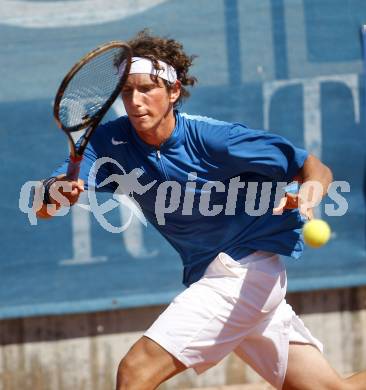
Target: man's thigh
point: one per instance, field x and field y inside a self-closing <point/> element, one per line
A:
<point x="150" y="362"/>
<point x="211" y="318"/>
<point x="307" y="369"/>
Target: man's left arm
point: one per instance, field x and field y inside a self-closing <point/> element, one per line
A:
<point x="314" y="170"/>
<point x="318" y="176"/>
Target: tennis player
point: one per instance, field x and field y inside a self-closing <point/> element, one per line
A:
<point x="236" y="281"/>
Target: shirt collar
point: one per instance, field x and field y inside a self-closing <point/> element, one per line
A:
<point x="174" y="139"/>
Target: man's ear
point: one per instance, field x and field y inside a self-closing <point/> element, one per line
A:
<point x="174" y="92"/>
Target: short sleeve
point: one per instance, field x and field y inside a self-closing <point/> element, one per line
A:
<point x="263" y="153"/>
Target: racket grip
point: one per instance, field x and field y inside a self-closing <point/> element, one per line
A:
<point x="73" y="168"/>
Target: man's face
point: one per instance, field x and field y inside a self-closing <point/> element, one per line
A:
<point x="147" y="102"/>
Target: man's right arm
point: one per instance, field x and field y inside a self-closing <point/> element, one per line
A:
<point x="61" y="192"/>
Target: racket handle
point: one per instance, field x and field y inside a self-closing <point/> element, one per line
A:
<point x="73" y="168"/>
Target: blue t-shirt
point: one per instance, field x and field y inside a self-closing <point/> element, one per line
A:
<point x="196" y="174"/>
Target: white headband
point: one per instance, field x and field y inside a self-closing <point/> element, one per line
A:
<point x="144" y="65"/>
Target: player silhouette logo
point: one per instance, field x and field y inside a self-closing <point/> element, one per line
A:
<point x="127" y="184"/>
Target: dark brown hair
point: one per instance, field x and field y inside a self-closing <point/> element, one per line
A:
<point x="168" y="50"/>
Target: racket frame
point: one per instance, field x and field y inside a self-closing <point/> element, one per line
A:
<point x="76" y="154"/>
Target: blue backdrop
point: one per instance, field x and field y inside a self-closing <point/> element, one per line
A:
<point x="294" y="67"/>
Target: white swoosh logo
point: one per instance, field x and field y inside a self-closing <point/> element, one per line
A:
<point x="44" y="14"/>
<point x="115" y="142"/>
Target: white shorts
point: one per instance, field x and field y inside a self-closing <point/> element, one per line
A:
<point x="236" y="306"/>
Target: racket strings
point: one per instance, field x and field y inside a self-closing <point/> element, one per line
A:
<point x="90" y="88"/>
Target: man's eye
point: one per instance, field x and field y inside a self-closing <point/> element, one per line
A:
<point x="126" y="91"/>
<point x="145" y="89"/>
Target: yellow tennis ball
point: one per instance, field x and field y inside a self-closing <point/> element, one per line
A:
<point x="316" y="233"/>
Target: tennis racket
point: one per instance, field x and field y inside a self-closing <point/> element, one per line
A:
<point x="87" y="92"/>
